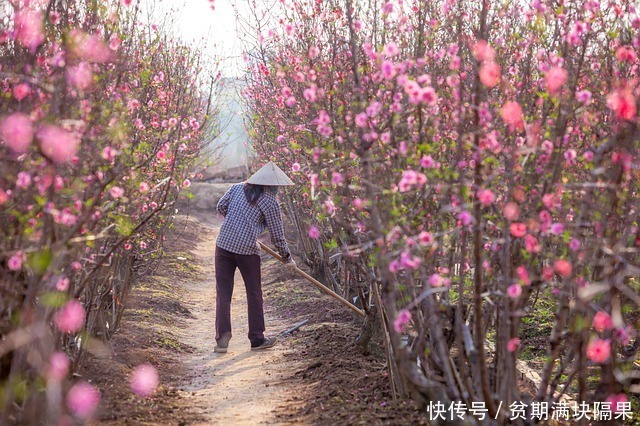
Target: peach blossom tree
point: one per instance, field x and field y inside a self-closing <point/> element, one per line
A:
<point x="468" y="171"/>
<point x="101" y="118"/>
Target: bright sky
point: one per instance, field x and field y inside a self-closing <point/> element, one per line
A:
<point x="196" y="21"/>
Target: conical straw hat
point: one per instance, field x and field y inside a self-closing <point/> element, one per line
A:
<point x="270" y="175"/>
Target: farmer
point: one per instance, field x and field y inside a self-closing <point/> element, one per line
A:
<point x="248" y="208"/>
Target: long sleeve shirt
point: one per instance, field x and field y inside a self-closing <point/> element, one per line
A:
<point x="243" y="222"/>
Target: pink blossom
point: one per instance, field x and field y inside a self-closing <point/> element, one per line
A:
<point x="410" y="262"/>
<point x="82" y="400"/>
<point x="428" y="162"/>
<point x="490" y="74"/>
<point x="512" y="115"/>
<point x="425" y="238"/>
<point x="394" y="266"/>
<point x="70" y="318"/>
<point x="518" y="229"/>
<point x="550" y="201"/>
<point x="575" y="35"/>
<point x="62" y="284"/>
<point x="555" y="79"/>
<point x="314" y="232"/>
<point x="144" y="380"/>
<point x="90" y="47"/>
<point x="599" y="350"/>
<point x="385" y="137"/>
<point x="409" y="179"/>
<point x="602" y="321"/>
<point x="54" y="17"/>
<point x="80" y="76"/>
<point x="116" y="192"/>
<point x="486" y="197"/>
<point x="337" y="178"/>
<point x="359" y="204"/>
<point x="436" y="280"/>
<point x="20" y="91"/>
<point x="29" y="27"/>
<point x="547" y="147"/>
<point x="513" y="344"/>
<point x="295" y="167"/>
<point x="619" y="402"/>
<point x="570" y="155"/>
<point x="57" y="60"/>
<point x="57" y="144"/>
<point x="114" y="42"/>
<point x="58" y="366"/>
<point x="109" y="153"/>
<point x="361" y="119"/>
<point x="623" y="103"/>
<point x="23" y="180"/>
<point x="483" y="52"/>
<point x="15" y="261"/>
<point x="64" y="217"/>
<point x="465" y="217"/>
<point x="574" y="244"/>
<point x="16" y="130"/>
<point x="511" y="211"/>
<point x="547" y="273"/>
<point x="390" y="49"/>
<point x="314" y="51"/>
<point x="290" y="102"/>
<point x="583" y="96"/>
<point x="626" y="54"/>
<point x="562" y="267"/>
<point x="310" y="94"/>
<point x="557" y="228"/>
<point x="523" y="275"/>
<point x="186" y="183"/>
<point x="3" y="196"/>
<point x="144" y="187"/>
<point x="623" y="334"/>
<point x="514" y="291"/>
<point x="388" y="69"/>
<point x="328" y="204"/>
<point x="428" y="96"/>
<point x="402" y="320"/>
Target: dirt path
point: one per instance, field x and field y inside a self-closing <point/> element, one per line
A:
<point x="240" y="387"/>
<point x="316" y="375"/>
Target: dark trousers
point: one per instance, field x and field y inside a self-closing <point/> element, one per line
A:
<point x="249" y="265"/>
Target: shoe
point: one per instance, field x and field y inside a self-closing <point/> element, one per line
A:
<point x="221" y="347"/>
<point x="266" y="344"/>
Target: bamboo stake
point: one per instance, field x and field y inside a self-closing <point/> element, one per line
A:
<point x="315" y="282"/>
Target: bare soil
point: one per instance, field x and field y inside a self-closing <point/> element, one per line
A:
<point x="312" y="376"/>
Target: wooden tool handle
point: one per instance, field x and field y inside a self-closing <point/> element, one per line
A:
<point x="315" y="282"/>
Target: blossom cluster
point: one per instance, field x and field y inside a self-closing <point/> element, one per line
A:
<point x="466" y="161"/>
<point x="101" y="119"/>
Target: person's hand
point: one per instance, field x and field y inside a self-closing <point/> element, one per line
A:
<point x="290" y="264"/>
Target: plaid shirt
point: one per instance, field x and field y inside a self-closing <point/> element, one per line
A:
<point x="243" y="222"/>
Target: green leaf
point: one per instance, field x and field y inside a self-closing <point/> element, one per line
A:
<point x="39" y="261"/>
<point x="124" y="225"/>
<point x="53" y="299"/>
<point x="330" y="245"/>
